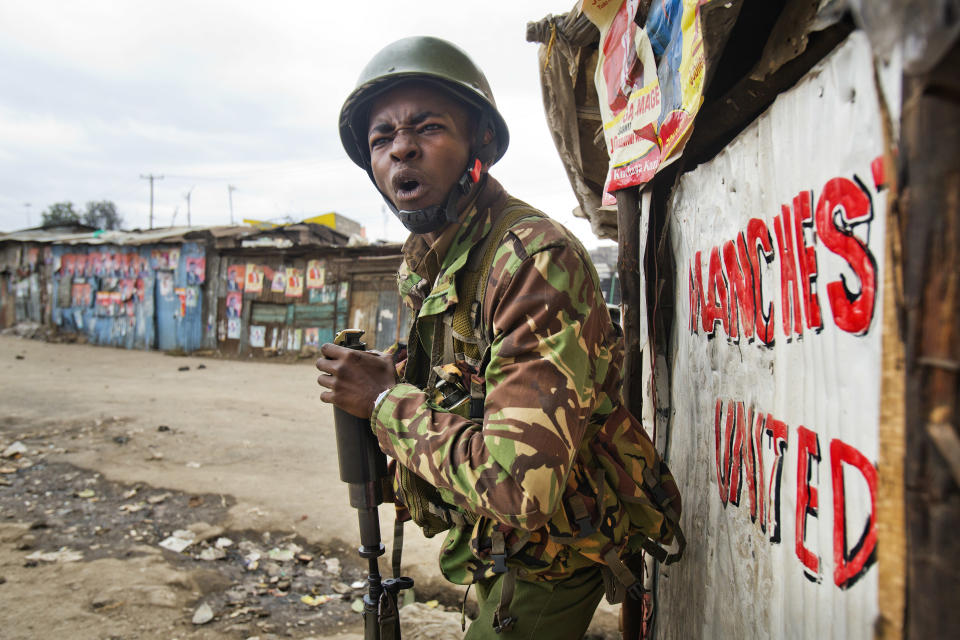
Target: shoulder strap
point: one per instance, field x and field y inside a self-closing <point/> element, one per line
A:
<point x="465" y="333"/>
<point x="466" y="318"/>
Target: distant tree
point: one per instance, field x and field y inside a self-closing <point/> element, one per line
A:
<point x="60" y="213"/>
<point x="102" y="215"/>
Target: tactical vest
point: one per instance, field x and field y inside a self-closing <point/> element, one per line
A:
<point x="646" y="494"/>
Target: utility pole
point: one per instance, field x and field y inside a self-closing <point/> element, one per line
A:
<point x="151" y="178"/>
<point x="230" y="190"/>
<point x="187" y="196"/>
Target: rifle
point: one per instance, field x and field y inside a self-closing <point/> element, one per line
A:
<point x="363" y="466"/>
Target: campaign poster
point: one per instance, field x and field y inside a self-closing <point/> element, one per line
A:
<point x="128" y="267"/>
<point x="165" y="283"/>
<point x="258" y="335"/>
<point x="234" y="304"/>
<point x="116" y="303"/>
<point x="294" y="339"/>
<point x="233" y="328"/>
<point x="103" y="303"/>
<point x="196" y="270"/>
<point x="294" y="278"/>
<point x="127" y="288"/>
<point x="235" y="277"/>
<point x="94" y="264"/>
<point x="650" y="83"/>
<point x="316" y="274"/>
<point x="181" y="294"/>
<point x="81" y="295"/>
<point x="254" y="279"/>
<point x="68" y="264"/>
<point x="311" y="337"/>
<point x="279" y="283"/>
<point x="160" y="259"/>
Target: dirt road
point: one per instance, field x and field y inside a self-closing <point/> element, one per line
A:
<point x="120" y="449"/>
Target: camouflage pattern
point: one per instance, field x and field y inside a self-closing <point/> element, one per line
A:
<point x="541" y="469"/>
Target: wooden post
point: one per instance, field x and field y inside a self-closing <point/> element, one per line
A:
<point x="930" y="174"/>
<point x="632" y="292"/>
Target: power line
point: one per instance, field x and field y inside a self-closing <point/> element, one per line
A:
<point x="288" y="168"/>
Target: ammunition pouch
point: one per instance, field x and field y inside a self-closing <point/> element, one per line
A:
<point x="425" y="505"/>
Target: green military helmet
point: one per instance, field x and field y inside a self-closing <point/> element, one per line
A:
<point x="421" y="58"/>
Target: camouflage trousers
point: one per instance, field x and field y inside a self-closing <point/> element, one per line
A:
<point x="559" y="610"/>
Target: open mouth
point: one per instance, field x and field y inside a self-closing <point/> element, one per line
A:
<point x="407" y="187"/>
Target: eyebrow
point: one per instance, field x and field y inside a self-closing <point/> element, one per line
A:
<point x="385" y="128"/>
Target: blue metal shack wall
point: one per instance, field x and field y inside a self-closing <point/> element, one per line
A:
<point x="133" y="297"/>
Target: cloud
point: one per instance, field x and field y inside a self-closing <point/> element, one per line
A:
<point x="210" y="94"/>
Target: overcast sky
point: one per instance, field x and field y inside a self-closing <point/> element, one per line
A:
<point x="210" y="94"/>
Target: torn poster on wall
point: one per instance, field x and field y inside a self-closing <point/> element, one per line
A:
<point x="650" y="83"/>
<point x="776" y="380"/>
<point x="294" y="339"/>
<point x="181" y="294"/>
<point x="165" y="283"/>
<point x="81" y="295"/>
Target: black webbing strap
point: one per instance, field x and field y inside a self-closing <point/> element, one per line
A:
<point x="388" y="615"/>
<point x="397" y="546"/>
<point x="463" y="608"/>
<point x="502" y="620"/>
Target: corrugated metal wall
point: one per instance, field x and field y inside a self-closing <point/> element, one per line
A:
<point x="135" y="297"/>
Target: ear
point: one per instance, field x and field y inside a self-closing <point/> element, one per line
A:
<point x="488" y="136"/>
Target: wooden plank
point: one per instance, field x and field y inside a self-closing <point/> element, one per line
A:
<point x="891" y="529"/>
<point x="930" y="167"/>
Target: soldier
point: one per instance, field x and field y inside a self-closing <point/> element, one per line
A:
<point x="503" y="416"/>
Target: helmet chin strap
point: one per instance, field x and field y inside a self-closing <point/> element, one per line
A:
<point x="435" y="217"/>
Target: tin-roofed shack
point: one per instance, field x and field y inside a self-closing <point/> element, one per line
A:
<point x="782" y="178"/>
<point x="238" y="289"/>
<point x="288" y="289"/>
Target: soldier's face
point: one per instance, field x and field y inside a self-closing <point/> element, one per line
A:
<point x="419" y="140"/>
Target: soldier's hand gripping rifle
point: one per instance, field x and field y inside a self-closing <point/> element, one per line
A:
<point x="363" y="466"/>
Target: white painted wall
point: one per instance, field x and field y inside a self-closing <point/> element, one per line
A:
<point x="820" y="138"/>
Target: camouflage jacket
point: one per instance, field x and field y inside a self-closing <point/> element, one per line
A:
<point x="552" y="379"/>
